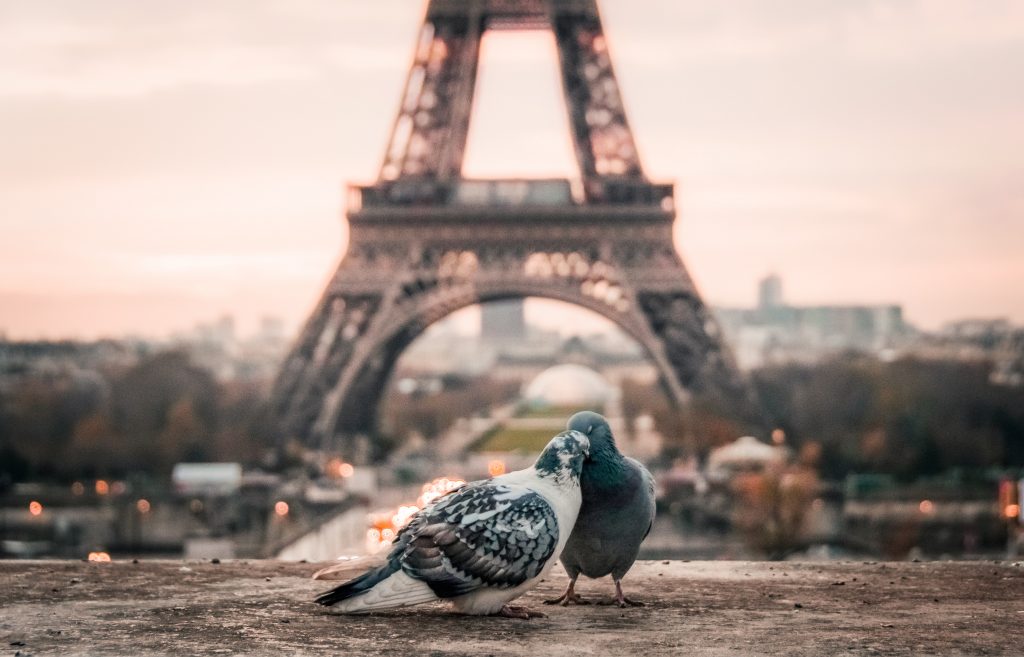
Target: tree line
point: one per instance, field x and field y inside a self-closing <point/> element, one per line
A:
<point x="908" y="418"/>
<point x="72" y="423"/>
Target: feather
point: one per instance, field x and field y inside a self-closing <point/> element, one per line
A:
<point x="618" y="506"/>
<point x="480" y="546"/>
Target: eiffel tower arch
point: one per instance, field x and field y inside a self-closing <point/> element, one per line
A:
<point x="425" y="241"/>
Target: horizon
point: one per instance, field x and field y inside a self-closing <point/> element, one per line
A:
<point x="167" y="165"/>
<point x="539" y="313"/>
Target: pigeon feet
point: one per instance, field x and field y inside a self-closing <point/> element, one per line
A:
<point x="621" y="600"/>
<point x="525" y="613"/>
<point x="568" y="598"/>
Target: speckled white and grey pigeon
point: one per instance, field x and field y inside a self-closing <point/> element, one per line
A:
<point x="616" y="515"/>
<point x="482" y="545"/>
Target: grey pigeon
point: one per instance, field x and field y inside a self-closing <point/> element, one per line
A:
<point x="616" y="515"/>
<point x="480" y="546"/>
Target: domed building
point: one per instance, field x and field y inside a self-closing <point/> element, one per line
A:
<point x="744" y="454"/>
<point x="568" y="385"/>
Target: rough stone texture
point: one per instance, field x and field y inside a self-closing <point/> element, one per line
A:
<point x="698" y="608"/>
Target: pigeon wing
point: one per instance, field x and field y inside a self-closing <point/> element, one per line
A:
<point x="647" y="491"/>
<point x="484" y="535"/>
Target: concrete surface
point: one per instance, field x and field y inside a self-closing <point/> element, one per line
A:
<point x="698" y="608"/>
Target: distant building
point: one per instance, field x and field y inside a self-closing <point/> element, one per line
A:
<point x="217" y="347"/>
<point x="983" y="331"/>
<point x="498" y="352"/>
<point x="775" y="331"/>
<point x="272" y="330"/>
<point x="213" y="346"/>
<point x="80" y="360"/>
<point x="616" y="361"/>
<point x="503" y="321"/>
<point x="206" y="478"/>
<point x="993" y="340"/>
<point x="569" y="385"/>
<point x="769" y="292"/>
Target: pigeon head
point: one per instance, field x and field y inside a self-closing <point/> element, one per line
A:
<point x="563" y="457"/>
<point x="594" y="427"/>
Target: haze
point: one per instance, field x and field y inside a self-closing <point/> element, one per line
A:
<point x="166" y="163"/>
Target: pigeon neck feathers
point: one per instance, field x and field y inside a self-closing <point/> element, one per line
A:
<point x="562" y="459"/>
<point x="606" y="466"/>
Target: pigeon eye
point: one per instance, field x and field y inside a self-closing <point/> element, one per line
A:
<point x="590" y="428"/>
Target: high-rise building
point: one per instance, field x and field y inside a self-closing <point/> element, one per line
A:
<point x="769" y="292"/>
<point x="503" y="321"/>
<point x="775" y="331"/>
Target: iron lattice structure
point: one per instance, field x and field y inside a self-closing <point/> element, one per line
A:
<point x="425" y="242"/>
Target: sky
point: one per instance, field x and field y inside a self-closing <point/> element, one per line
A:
<point x="165" y="163"/>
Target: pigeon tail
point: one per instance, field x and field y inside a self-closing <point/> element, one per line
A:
<point x="358" y="585"/>
<point x="384" y="588"/>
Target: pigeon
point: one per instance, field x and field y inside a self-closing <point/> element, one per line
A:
<point x="480" y="546"/>
<point x="616" y="515"/>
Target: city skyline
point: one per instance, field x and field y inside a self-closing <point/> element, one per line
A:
<point x="164" y="165"/>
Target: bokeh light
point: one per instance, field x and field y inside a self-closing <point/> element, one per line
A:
<point x="384" y="526"/>
<point x="437" y="488"/>
<point x="333" y="468"/>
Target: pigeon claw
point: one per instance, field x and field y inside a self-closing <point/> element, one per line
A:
<point x="570" y="597"/>
<point x="622" y="603"/>
<point x="567" y="599"/>
<point x="620" y="600"/>
<point x="513" y="611"/>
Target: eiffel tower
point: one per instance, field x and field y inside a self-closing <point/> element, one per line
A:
<point x="425" y="241"/>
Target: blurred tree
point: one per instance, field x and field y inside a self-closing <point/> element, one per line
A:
<point x="907" y="418"/>
<point x="772" y="505"/>
<point x="144" y="418"/>
<point x="165" y="408"/>
<point x="41" y="413"/>
<point x="184" y="437"/>
<point x="245" y="429"/>
<point x="94" y="450"/>
<point x="693" y="430"/>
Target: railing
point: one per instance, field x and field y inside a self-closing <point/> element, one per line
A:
<point x="427" y="192"/>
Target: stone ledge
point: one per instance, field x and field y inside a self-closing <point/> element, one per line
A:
<point x="700" y="608"/>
